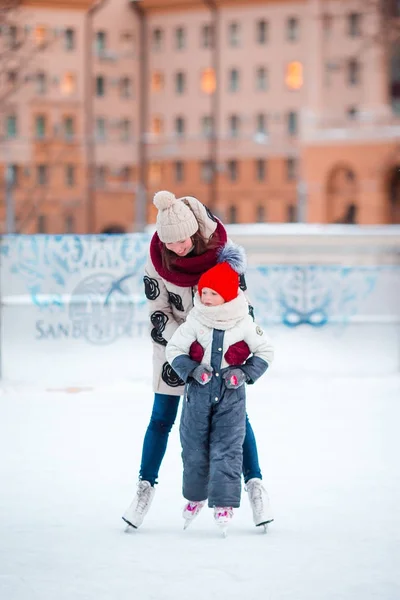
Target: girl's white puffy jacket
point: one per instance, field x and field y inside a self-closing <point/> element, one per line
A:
<point x="232" y="318"/>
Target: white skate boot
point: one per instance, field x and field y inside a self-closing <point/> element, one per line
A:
<point x="190" y="512"/>
<point x="259" y="503"/>
<point x="223" y="516"/>
<point x="141" y="503"/>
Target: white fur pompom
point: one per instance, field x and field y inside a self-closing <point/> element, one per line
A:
<point x="235" y="256"/>
<point x="163" y="200"/>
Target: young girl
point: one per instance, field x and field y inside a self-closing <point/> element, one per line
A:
<point x="213" y="422"/>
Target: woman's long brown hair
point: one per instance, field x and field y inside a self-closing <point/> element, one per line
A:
<point x="200" y="246"/>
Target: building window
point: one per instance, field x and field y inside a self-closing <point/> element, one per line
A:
<point x="155" y="172"/>
<point x="157" y="81"/>
<point x="42" y="224"/>
<point x="69" y="39"/>
<point x="69" y="224"/>
<point x="157" y="126"/>
<point x="261" y="79"/>
<point x="101" y="41"/>
<point x="206" y="171"/>
<point x="208" y="82"/>
<point x="40" y="35"/>
<point x="261" y="169"/>
<point x="291" y="168"/>
<point x="232" y="215"/>
<point x="41" y="83"/>
<point x="70" y="175"/>
<point x="101" y="175"/>
<point x="327" y="25"/>
<point x="180" y="82"/>
<point x="12" y="37"/>
<point x="100" y="86"/>
<point x="42" y="174"/>
<point x="180" y="127"/>
<point x="292" y="123"/>
<point x="234" y="126"/>
<point x="354" y="24"/>
<point x="101" y="129"/>
<point x="69" y="127"/>
<point x="68" y="84"/>
<point x="262" y="32"/>
<point x="12" y="175"/>
<point x="233" y="84"/>
<point x="180" y="38"/>
<point x="291" y="213"/>
<point x="234" y="34"/>
<point x="261" y="124"/>
<point x="40" y="127"/>
<point x="352" y="113"/>
<point x="207" y="36"/>
<point x="11" y="126"/>
<point x="294" y="75"/>
<point x="12" y="77"/>
<point x="292" y="29"/>
<point x="353" y="72"/>
<point x="260" y="214"/>
<point x="232" y="170"/>
<point x="207" y="126"/>
<point x="157" y="39"/>
<point x="179" y="168"/>
<point x="126" y="132"/>
<point x="125" y="87"/>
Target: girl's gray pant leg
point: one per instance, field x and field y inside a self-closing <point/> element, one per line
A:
<point x="194" y="434"/>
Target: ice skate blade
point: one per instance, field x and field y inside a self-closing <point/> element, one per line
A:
<point x="186" y="525"/>
<point x="129" y="527"/>
<point x="224" y="530"/>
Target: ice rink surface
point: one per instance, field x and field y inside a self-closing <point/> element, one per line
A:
<point x="329" y="448"/>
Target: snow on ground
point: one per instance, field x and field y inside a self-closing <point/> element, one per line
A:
<point x="329" y="449"/>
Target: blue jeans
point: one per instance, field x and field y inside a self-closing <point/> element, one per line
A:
<point x="155" y="441"/>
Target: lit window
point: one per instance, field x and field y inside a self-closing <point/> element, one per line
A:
<point x="100" y="128"/>
<point x="125" y="87"/>
<point x="207" y="36"/>
<point x="292" y="29"/>
<point x="179" y="168"/>
<point x="70" y="176"/>
<point x="208" y="81"/>
<point x="294" y="75"/>
<point x="41" y="174"/>
<point x="69" y="39"/>
<point x="40" y="126"/>
<point x="234" y="34"/>
<point x="233" y="80"/>
<point x="260" y="169"/>
<point x="157" y="81"/>
<point x="41" y="83"/>
<point x="292" y="123"/>
<point x="262" y="32"/>
<point x="207" y="125"/>
<point x="261" y="79"/>
<point x="125" y="130"/>
<point x="180" y="82"/>
<point x="157" y="39"/>
<point x="180" y="38"/>
<point x="157" y="126"/>
<point x="155" y="173"/>
<point x="354" y="24"/>
<point x="100" y="86"/>
<point x="69" y="127"/>
<point x="68" y="84"/>
<point x="11" y="126"/>
<point x="234" y="126"/>
<point x="291" y="169"/>
<point x="180" y="126"/>
<point x="40" y="35"/>
<point x="232" y="168"/>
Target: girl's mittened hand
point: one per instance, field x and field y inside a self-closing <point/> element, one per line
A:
<point x="234" y="378"/>
<point x="202" y="374"/>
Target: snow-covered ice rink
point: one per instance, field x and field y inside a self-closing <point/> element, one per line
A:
<point x="329" y="448"/>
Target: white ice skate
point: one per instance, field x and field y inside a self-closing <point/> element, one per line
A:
<point x="223" y="516"/>
<point x="259" y="503"/>
<point x="141" y="503"/>
<point x="190" y="512"/>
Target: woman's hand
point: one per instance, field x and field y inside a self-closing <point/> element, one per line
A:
<point x="234" y="378"/>
<point x="202" y="374"/>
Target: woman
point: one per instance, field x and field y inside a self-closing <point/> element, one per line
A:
<point x="185" y="246"/>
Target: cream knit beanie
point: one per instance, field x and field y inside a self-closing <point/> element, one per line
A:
<point x="175" y="221"/>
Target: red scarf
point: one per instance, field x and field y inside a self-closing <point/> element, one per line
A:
<point x="186" y="271"/>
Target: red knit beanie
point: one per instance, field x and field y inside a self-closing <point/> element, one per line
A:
<point x="222" y="279"/>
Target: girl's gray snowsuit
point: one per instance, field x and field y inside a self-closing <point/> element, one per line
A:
<point x="213" y="417"/>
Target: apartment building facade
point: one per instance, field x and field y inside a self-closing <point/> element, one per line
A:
<point x="268" y="111"/>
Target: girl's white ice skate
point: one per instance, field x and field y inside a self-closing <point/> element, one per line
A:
<point x="190" y="512"/>
<point x="223" y="516"/>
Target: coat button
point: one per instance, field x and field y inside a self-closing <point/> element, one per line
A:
<point x="216" y="399"/>
<point x="216" y="374"/>
<point x="219" y="349"/>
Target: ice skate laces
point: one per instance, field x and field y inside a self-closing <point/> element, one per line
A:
<point x="144" y="493"/>
<point x="256" y="496"/>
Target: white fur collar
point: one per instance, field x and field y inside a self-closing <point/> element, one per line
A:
<point x="222" y="317"/>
